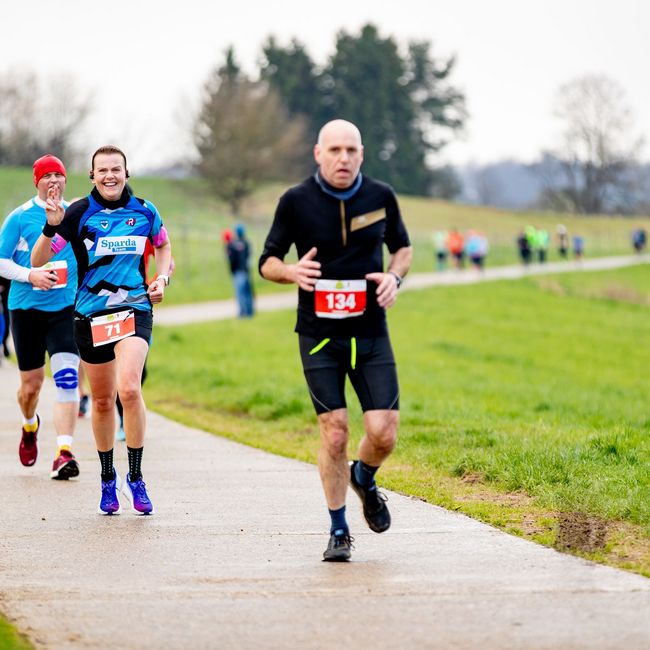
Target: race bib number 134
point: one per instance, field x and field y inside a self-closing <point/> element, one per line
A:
<point x="340" y="298"/>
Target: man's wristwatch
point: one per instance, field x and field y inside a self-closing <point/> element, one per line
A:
<point x="164" y="278"/>
<point x="398" y="279"/>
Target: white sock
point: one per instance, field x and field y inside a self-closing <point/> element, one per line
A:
<point x="64" y="441"/>
<point x="32" y="420"/>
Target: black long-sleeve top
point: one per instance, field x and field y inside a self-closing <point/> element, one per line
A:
<point x="349" y="235"/>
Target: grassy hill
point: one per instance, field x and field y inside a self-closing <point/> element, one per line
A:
<point x="196" y="220"/>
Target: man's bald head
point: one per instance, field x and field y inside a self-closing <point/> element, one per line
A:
<point x="336" y="128"/>
<point x="339" y="153"/>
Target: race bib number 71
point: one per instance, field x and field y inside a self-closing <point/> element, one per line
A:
<point x="340" y="298"/>
<point x="112" y="327"/>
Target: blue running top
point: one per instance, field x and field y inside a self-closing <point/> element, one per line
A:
<point x="108" y="239"/>
<point x="19" y="233"/>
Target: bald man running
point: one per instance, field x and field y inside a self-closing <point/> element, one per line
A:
<point x="339" y="221"/>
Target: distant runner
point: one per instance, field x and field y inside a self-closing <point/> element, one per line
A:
<point x="108" y="230"/>
<point x="41" y="306"/>
<point x="339" y="221"/>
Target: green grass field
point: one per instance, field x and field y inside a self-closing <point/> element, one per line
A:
<point x="520" y="400"/>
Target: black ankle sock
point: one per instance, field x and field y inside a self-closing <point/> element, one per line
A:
<point x="106" y="460"/>
<point x="365" y="474"/>
<point x="339" y="523"/>
<point x="135" y="463"/>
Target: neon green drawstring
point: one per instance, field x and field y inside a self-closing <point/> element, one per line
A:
<point x="353" y="350"/>
<point x="319" y="346"/>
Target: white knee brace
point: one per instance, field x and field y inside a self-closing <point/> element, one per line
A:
<point x="65" y="370"/>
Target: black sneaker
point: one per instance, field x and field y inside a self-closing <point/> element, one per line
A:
<point x="375" y="509"/>
<point x="338" y="548"/>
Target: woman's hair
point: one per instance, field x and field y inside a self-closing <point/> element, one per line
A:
<point x="107" y="148"/>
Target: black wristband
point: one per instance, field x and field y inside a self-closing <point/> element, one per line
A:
<point x="49" y="230"/>
<point x="398" y="279"/>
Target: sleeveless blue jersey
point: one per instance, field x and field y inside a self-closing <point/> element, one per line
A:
<point x="19" y="233"/>
<point x="109" y="247"/>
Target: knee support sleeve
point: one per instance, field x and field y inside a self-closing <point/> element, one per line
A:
<point x="65" y="370"/>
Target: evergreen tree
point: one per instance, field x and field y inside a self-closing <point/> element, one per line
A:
<point x="292" y="73"/>
<point x="404" y="106"/>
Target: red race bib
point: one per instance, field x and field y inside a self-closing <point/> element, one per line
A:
<point x="112" y="327"/>
<point x="340" y="298"/>
<point x="60" y="267"/>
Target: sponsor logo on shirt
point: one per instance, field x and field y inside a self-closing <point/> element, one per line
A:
<point x="130" y="222"/>
<point x="120" y="245"/>
<point x="104" y="223"/>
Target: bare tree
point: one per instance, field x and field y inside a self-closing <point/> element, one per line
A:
<point x="244" y="135"/>
<point x="597" y="149"/>
<point x="38" y="116"/>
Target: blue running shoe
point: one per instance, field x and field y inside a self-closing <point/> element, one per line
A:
<point x="136" y="493"/>
<point x="121" y="436"/>
<point x="109" y="504"/>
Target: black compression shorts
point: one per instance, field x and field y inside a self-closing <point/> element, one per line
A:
<point x="35" y="331"/>
<point x="105" y="353"/>
<point x="374" y="377"/>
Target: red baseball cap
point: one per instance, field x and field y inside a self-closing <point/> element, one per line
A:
<point x="45" y="165"/>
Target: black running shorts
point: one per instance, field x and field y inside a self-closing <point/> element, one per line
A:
<point x="374" y="376"/>
<point x="34" y="331"/>
<point x="104" y="353"/>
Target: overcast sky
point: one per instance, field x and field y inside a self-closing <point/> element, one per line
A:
<point x="145" y="60"/>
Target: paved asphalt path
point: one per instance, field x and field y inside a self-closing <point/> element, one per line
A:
<point x="222" y="309"/>
<point x="232" y="560"/>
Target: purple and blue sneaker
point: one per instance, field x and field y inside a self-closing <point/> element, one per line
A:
<point x="109" y="504"/>
<point x="136" y="493"/>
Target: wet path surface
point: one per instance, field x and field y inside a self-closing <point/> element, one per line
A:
<point x="232" y="560"/>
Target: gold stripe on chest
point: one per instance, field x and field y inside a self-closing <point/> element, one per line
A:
<point x="363" y="220"/>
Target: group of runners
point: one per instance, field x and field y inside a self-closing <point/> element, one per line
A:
<point x="79" y="290"/>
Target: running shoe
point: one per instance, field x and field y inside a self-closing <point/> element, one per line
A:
<point x="136" y="493"/>
<point x="339" y="547"/>
<point x="375" y="509"/>
<point x="120" y="435"/>
<point x="109" y="504"/>
<point x="83" y="406"/>
<point x="28" y="448"/>
<point x="64" y="466"/>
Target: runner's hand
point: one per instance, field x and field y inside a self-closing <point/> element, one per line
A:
<point x="54" y="209"/>
<point x="306" y="272"/>
<point x="386" y="288"/>
<point x="156" y="291"/>
<point x="40" y="279"/>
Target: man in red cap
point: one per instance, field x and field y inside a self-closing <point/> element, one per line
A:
<point x="41" y="312"/>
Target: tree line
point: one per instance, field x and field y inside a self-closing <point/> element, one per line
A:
<point x="252" y="129"/>
<point x="404" y="104"/>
